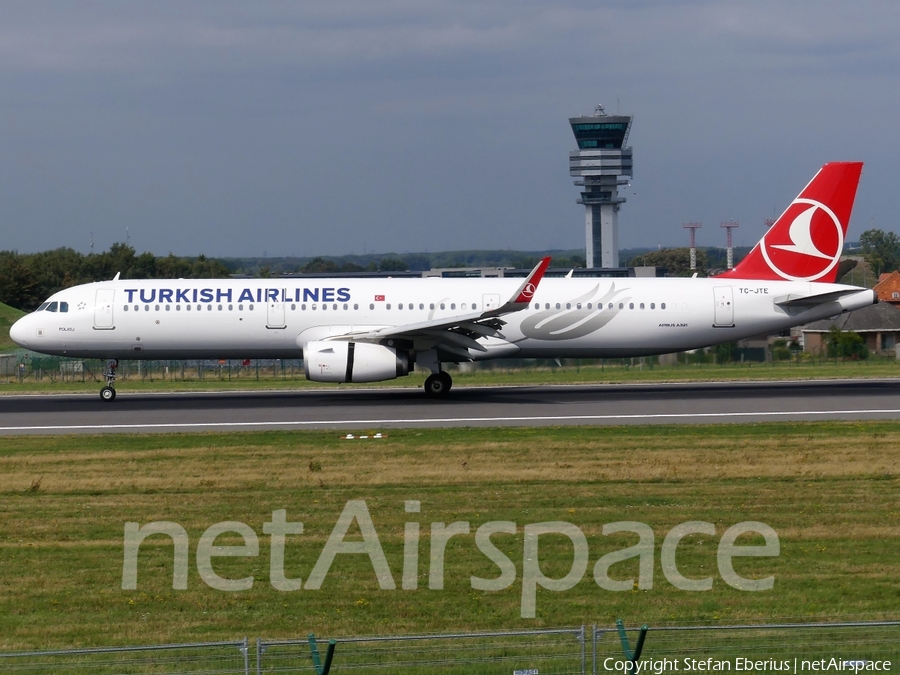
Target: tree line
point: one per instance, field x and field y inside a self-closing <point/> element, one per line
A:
<point x="27" y="279"/>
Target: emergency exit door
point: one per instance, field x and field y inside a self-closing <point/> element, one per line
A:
<point x="275" y="315"/>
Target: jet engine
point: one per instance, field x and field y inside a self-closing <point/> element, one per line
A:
<point x="339" y="361"/>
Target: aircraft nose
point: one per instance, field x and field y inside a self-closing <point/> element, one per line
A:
<point x="18" y="332"/>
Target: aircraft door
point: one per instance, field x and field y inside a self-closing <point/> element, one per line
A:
<point x="103" y="309"/>
<point x="275" y="315"/>
<point x="490" y="301"/>
<point x="724" y="296"/>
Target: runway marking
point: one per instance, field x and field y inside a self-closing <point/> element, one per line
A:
<point x="432" y="420"/>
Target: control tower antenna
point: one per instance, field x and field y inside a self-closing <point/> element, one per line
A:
<point x="602" y="163"/>
<point x="693" y="227"/>
<point x="729" y="225"/>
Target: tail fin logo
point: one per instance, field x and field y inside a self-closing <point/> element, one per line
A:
<point x="808" y="249"/>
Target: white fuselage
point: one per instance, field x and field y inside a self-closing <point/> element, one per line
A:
<point x="275" y="318"/>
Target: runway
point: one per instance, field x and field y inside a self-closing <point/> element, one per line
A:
<point x="351" y="410"/>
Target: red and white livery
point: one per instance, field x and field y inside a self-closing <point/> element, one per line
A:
<point x="343" y="335"/>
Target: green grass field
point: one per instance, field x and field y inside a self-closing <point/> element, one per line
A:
<point x="829" y="490"/>
<point x="8" y="316"/>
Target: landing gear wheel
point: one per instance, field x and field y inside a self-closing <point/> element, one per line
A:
<point x="108" y="393"/>
<point x="438" y="385"/>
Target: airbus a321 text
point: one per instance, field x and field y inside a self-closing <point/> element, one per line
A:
<point x="369" y="330"/>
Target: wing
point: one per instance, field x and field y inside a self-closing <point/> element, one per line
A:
<point x="456" y="335"/>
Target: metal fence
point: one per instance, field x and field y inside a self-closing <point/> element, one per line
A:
<point x="552" y="652"/>
<point x="27" y="368"/>
<point x="788" y="648"/>
<point x="181" y="659"/>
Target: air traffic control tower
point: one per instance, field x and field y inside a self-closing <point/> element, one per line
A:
<point x="602" y="163"/>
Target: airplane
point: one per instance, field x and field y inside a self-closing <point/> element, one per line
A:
<point x="371" y="330"/>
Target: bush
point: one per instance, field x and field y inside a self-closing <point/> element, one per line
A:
<point x="845" y="344"/>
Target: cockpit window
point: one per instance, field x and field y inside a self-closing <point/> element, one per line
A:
<point x="64" y="307"/>
<point x="53" y="307"/>
<point x="42" y="307"/>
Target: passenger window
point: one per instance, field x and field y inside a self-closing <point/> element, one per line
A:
<point x="146" y="308"/>
<point x="621" y="305"/>
<point x="345" y="306"/>
<point x="589" y="306"/>
<point x="463" y="306"/>
<point x="250" y="307"/>
<point x="652" y="305"/>
<point x="355" y="305"/>
<point x="442" y="305"/>
<point x="568" y="305"/>
<point x="220" y="308"/>
<point x="474" y="306"/>
<point x="611" y="306"/>
<point x="452" y="305"/>
<point x="642" y="305"/>
<point x="558" y="306"/>
<point x="388" y="306"/>
<point x="431" y="306"/>
<point x="178" y="308"/>
<point x="53" y="306"/>
<point x="293" y="307"/>
<point x="240" y="308"/>
<point x="230" y="308"/>
<point x="136" y="308"/>
<point x="157" y="308"/>
<point x="334" y="307"/>
<point x="303" y="307"/>
<point x="169" y="308"/>
<point x="546" y="305"/>
<point x="662" y="305"/>
<point x="126" y="308"/>
<point x="209" y="307"/>
<point x="421" y="306"/>
<point x="324" y="306"/>
<point x="578" y="306"/>
<point x="630" y="305"/>
<point x="371" y="305"/>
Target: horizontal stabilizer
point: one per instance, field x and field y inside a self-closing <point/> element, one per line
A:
<point x="794" y="300"/>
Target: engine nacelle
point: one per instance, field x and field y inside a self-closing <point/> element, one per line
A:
<point x="339" y="361"/>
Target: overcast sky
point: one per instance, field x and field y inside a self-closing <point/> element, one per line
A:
<point x="344" y="126"/>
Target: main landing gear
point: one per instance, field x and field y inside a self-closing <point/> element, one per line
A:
<point x="438" y="384"/>
<point x="108" y="393"/>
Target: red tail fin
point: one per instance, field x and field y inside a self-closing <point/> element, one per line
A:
<point x="806" y="242"/>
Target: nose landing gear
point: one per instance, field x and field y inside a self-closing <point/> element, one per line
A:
<point x="108" y="393"/>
